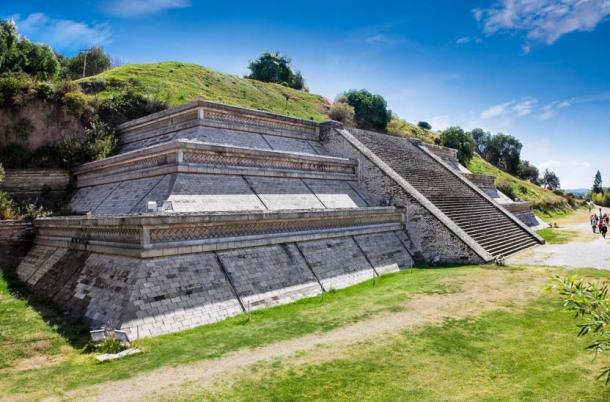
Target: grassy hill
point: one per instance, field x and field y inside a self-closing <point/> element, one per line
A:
<point x="178" y="83"/>
<point x="545" y="201"/>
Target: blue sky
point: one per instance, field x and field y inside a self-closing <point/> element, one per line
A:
<point x="536" y="69"/>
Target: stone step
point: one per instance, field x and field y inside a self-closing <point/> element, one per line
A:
<point x="492" y="243"/>
<point x="490" y="231"/>
<point x="513" y="248"/>
<point x="470" y="210"/>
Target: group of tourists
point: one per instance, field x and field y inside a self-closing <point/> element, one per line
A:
<point x="600" y="221"/>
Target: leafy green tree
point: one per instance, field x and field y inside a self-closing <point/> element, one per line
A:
<point x="504" y="151"/>
<point x="36" y="60"/>
<point x="529" y="172"/>
<point x="8" y="43"/>
<point x="481" y="138"/>
<point x="550" y="180"/>
<point x="371" y="111"/>
<point x="91" y="62"/>
<point x="18" y="54"/>
<point x="275" y="67"/>
<point x="597" y="183"/>
<point x="590" y="304"/>
<point x="424" y="125"/>
<point x="456" y="138"/>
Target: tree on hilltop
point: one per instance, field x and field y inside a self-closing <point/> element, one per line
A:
<point x="550" y="180"/>
<point x="19" y="55"/>
<point x="85" y="64"/>
<point x="597" y="183"/>
<point x="275" y="67"/>
<point x="456" y="138"/>
<point x="529" y="172"/>
<point x="371" y="111"/>
<point x="424" y="125"/>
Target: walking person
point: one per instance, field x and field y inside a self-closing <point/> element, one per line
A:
<point x="603" y="227"/>
<point x="594" y="223"/>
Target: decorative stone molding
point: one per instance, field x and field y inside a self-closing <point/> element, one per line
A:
<point x="155" y="235"/>
<point x="201" y="113"/>
<point x="192" y="156"/>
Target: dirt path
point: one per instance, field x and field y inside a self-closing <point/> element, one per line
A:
<point x="585" y="249"/>
<point x="483" y="290"/>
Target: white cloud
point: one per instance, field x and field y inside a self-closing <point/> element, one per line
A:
<point x="518" y="108"/>
<point x="551" y="109"/>
<point x="496" y="110"/>
<point x="542" y="20"/>
<point x="524" y="106"/>
<point x="551" y="163"/>
<point x="134" y="8"/>
<point x="63" y="34"/>
<point x="463" y="40"/>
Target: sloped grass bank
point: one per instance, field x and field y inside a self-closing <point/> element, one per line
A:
<point x="178" y="83"/>
<point x="546" y="203"/>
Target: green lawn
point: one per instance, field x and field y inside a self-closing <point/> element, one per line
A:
<point x="555" y="236"/>
<point x="178" y="83"/>
<point x="503" y="356"/>
<point x="527" y="353"/>
<point x="322" y="313"/>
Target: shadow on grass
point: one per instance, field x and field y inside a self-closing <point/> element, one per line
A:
<point x="71" y="329"/>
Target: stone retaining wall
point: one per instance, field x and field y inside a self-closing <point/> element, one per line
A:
<point x="45" y="187"/>
<point x="16" y="238"/>
<point x="154" y="293"/>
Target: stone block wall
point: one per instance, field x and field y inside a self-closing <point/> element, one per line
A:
<point x="152" y="296"/>
<point x="46" y="187"/>
<point x="16" y="238"/>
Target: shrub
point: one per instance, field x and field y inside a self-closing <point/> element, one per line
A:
<point x="506" y="188"/>
<point x="76" y="101"/>
<point x="343" y="112"/>
<point x="424" y="125"/>
<point x="128" y="106"/>
<point x="110" y="345"/>
<point x="6" y="207"/>
<point x="371" y="111"/>
<point x="44" y="91"/>
<point x="14" y="156"/>
<point x="13" y="89"/>
<point x="63" y="87"/>
<point x="456" y="138"/>
<point x="98" y="143"/>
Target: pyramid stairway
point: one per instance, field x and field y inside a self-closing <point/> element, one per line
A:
<point x="484" y="221"/>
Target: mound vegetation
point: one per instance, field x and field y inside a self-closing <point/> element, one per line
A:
<point x="177" y="83"/>
<point x="545" y="202"/>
